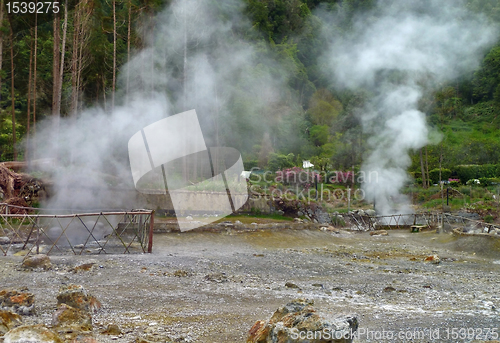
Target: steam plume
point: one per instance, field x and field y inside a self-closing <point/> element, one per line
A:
<point x="393" y="52"/>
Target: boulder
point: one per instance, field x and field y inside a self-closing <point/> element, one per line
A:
<point x="76" y="296"/>
<point x="69" y="319"/>
<point x="8" y="320"/>
<point x="39" y="261"/>
<point x="20" y="302"/>
<point x="298" y="322"/>
<point x="32" y="334"/>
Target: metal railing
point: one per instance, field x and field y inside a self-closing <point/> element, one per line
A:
<point x="75" y="233"/>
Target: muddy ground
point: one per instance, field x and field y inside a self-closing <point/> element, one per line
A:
<point x="212" y="287"/>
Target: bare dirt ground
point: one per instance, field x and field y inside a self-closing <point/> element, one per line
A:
<point x="212" y="287"/>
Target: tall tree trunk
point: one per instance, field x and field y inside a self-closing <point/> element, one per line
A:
<point x="424" y="183"/>
<point x="74" y="61"/>
<point x="28" y="112"/>
<point x="1" y="43"/>
<point x="427" y="168"/>
<point x="12" y="94"/>
<point x="56" y="55"/>
<point x="35" y="72"/>
<point x="114" y="58"/>
<point x="128" y="47"/>
<point x="63" y="53"/>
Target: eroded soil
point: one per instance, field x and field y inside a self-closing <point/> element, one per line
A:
<point x="212" y="287"/>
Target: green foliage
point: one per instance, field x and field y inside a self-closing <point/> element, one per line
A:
<point x="468" y="172"/>
<point x="434" y="175"/>
<point x="319" y="134"/>
<point x="280" y="161"/>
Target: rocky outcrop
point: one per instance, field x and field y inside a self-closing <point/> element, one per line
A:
<point x="67" y="319"/>
<point x="298" y="322"/>
<point x="32" y="334"/>
<point x="8" y="320"/>
<point x="39" y="261"/>
<point x="77" y="297"/>
<point x="20" y="302"/>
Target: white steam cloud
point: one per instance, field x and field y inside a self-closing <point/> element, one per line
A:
<point x="193" y="59"/>
<point x="393" y="52"/>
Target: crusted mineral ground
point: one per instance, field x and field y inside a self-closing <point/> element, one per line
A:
<point x="212" y="287"/>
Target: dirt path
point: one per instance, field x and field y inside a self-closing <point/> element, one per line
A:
<point x="211" y="287"/>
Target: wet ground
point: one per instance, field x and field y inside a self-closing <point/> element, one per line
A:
<point x="212" y="287"/>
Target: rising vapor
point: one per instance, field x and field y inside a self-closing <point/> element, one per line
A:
<point x="393" y="52"/>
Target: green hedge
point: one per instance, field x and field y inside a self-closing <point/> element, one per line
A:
<point x="468" y="172"/>
<point x="434" y="175"/>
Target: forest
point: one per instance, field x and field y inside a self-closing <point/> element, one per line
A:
<point x="59" y="65"/>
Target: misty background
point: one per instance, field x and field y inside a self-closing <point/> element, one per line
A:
<point x="344" y="82"/>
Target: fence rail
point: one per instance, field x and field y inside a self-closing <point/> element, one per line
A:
<point x="25" y="232"/>
<point x="429" y="220"/>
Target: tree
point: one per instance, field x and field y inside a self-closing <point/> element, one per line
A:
<point x="324" y="108"/>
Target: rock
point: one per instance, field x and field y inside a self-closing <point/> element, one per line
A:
<point x="84" y="339"/>
<point x="17" y="301"/>
<point x="298" y="220"/>
<point x="189" y="218"/>
<point x="39" y="261"/>
<point x="76" y="296"/>
<point x="389" y="289"/>
<point x="180" y="273"/>
<point x="379" y="233"/>
<point x="112" y="329"/>
<point x="216" y="277"/>
<point x="330" y="229"/>
<point x="291" y="285"/>
<point x="32" y="334"/>
<point x="370" y="212"/>
<point x="85" y="267"/>
<point x="4" y="240"/>
<point x="433" y="259"/>
<point x="298" y="322"/>
<point x="8" y="320"/>
<point x="67" y="319"/>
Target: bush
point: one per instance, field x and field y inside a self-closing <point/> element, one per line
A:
<point x="434" y="174"/>
<point x="248" y="165"/>
<point x="468" y="172"/>
<point x="280" y="161"/>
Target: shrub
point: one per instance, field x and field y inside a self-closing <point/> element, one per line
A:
<point x="434" y="174"/>
<point x="297" y="177"/>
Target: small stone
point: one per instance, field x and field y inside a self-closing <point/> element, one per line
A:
<point x="216" y="277"/>
<point x="84" y="339"/>
<point x="433" y="259"/>
<point x="389" y="289"/>
<point x="32" y="334"/>
<point x="298" y="220"/>
<point x="291" y="285"/>
<point x="180" y="273"/>
<point x="82" y="267"/>
<point x="17" y="301"/>
<point x="39" y="261"/>
<point x="379" y="233"/>
<point x="8" y="320"/>
<point x="112" y="329"/>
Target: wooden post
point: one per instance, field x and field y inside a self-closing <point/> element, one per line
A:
<point x="151" y="226"/>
